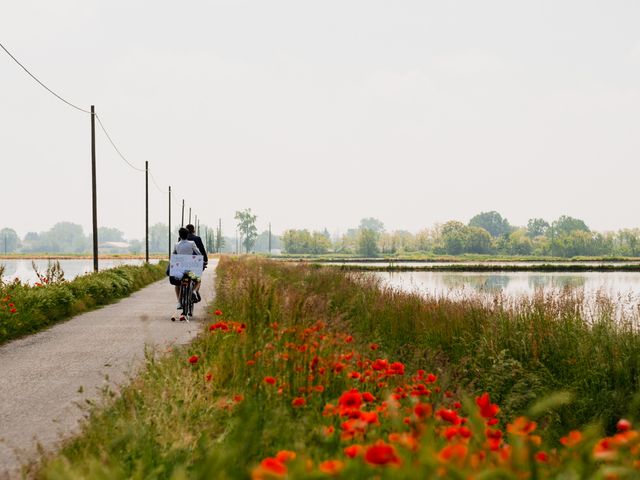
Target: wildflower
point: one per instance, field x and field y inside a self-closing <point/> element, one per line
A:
<point x="431" y="378"/>
<point x="572" y="439"/>
<point x="218" y="312"/>
<point x="331" y="467"/>
<point x="381" y="453"/>
<point x="450" y="416"/>
<point x="350" y="400"/>
<point x="353" y="451"/>
<point x="251" y="362"/>
<point x="298" y="402"/>
<point x="623" y="425"/>
<point x="521" y="426"/>
<point x="368" y="397"/>
<point x="285" y="456"/>
<point x="424" y="410"/>
<point x="268" y="468"/>
<point x="270" y="380"/>
<point x="13" y="310"/>
<point x="380" y="364"/>
<point x="193" y="359"/>
<point x="396" y="368"/>
<point x="208" y="376"/>
<point x="374" y="346"/>
<point x="457" y="452"/>
<point x="328" y="430"/>
<point x="487" y="409"/>
<point x="349" y="339"/>
<point x="238" y="398"/>
<point x="542" y="457"/>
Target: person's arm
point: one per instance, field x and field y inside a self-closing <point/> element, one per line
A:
<point x="195" y="249"/>
<point x="202" y="249"/>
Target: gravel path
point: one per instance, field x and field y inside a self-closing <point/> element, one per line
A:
<point x="46" y="376"/>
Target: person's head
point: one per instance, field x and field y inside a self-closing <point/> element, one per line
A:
<point x="183" y="233"/>
<point x="191" y="228"/>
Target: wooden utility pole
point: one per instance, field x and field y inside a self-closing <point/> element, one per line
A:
<point x="189" y="214"/>
<point x="169" y="221"/>
<point x="146" y="210"/>
<point x="94" y="194"/>
<point x="182" y="223"/>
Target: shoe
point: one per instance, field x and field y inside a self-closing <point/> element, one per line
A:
<point x="194" y="297"/>
<point x="182" y="318"/>
<point x="178" y="306"/>
<point x="199" y="297"/>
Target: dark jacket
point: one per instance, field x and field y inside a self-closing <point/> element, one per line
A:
<point x="198" y="241"/>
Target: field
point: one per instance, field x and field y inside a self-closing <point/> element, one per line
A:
<point x="312" y="373"/>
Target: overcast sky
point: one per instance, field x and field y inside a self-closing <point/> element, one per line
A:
<point x="317" y="114"/>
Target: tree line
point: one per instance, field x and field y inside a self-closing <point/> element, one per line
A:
<point x="486" y="233"/>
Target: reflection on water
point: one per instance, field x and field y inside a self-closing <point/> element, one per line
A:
<point x="23" y="270"/>
<point x="595" y="289"/>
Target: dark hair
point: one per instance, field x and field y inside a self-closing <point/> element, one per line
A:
<point x="183" y="233"/>
<point x="191" y="228"/>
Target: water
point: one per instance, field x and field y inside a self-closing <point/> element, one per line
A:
<point x="622" y="288"/>
<point x="22" y="269"/>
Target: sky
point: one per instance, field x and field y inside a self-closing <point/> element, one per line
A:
<point x="316" y="114"/>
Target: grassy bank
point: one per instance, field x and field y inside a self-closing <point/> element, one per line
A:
<point x="313" y="373"/>
<point x="26" y="309"/>
<point x="493" y="267"/>
<point x="467" y="257"/>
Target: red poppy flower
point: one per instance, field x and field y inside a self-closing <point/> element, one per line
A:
<point x="270" y="380"/>
<point x="374" y="346"/>
<point x="350" y="400"/>
<point x="285" y="456"/>
<point x="353" y="451"/>
<point x="542" y="457"/>
<point x="572" y="439"/>
<point x="208" y="376"/>
<point x="298" y="402"/>
<point x="424" y="410"/>
<point x="193" y="359"/>
<point x="450" y="416"/>
<point x="381" y="454"/>
<point x="368" y="397"/>
<point x="487" y="409"/>
<point x="623" y="425"/>
<point x="331" y="467"/>
<point x="218" y="312"/>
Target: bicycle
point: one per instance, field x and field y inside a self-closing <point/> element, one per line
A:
<point x="187" y="293"/>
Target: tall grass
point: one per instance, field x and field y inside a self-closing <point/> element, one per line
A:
<point x="206" y="410"/>
<point x="518" y="350"/>
<point x="26" y="309"/>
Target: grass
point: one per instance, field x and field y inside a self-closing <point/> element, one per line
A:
<point x="276" y="385"/>
<point x="26" y="309"/>
<point x="419" y="257"/>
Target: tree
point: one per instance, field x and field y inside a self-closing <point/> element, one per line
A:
<point x="454" y="236"/>
<point x="64" y="237"/>
<point x="158" y="238"/>
<point x="220" y="240"/>
<point x="478" y="240"/>
<point x="566" y="224"/>
<point x="247" y="227"/>
<point x="520" y="242"/>
<point x="537" y="227"/>
<point x="492" y="222"/>
<point x="9" y="240"/>
<point x="368" y="242"/>
<point x="106" y="234"/>
<point x="372" y="224"/>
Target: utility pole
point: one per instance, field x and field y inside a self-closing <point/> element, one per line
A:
<point x="197" y="226"/>
<point x="219" y="238"/>
<point x="146" y="210"/>
<point x="182" y="223"/>
<point x="269" y="238"/>
<point x="169" y="221"/>
<point x="189" y="214"/>
<point x="94" y="194"/>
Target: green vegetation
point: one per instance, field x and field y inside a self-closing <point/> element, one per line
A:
<point x="26" y="309"/>
<point x="273" y="373"/>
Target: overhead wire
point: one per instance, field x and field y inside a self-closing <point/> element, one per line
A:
<point x="115" y="147"/>
<point x="42" y="84"/>
<point x="104" y="129"/>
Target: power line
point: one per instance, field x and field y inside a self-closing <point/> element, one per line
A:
<point x="42" y="84"/>
<point x="153" y="179"/>
<point x="115" y="147"/>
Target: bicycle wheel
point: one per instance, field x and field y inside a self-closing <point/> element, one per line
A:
<point x="184" y="297"/>
<point x="190" y="298"/>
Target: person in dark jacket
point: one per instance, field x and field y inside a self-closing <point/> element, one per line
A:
<point x="198" y="241"/>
